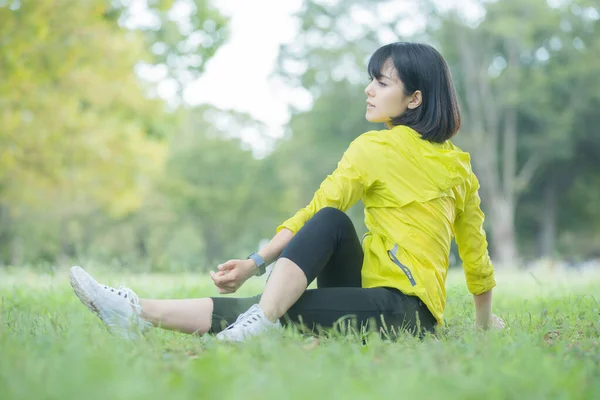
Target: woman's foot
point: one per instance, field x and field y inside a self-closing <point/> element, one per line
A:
<point x="249" y="324"/>
<point x="118" y="308"/>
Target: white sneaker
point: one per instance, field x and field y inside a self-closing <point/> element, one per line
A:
<point x="251" y="323"/>
<point x="119" y="308"/>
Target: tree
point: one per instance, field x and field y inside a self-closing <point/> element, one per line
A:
<point x="231" y="199"/>
<point x="512" y="79"/>
<point x="79" y="137"/>
<point x="181" y="35"/>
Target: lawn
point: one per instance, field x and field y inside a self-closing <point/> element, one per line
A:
<point x="51" y="347"/>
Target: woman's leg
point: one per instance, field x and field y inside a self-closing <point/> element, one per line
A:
<point x="124" y="313"/>
<point x="384" y="310"/>
<point x="326" y="248"/>
<point x="186" y="315"/>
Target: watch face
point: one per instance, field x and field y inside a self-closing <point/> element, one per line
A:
<point x="260" y="270"/>
<point x="257" y="259"/>
<point x="260" y="263"/>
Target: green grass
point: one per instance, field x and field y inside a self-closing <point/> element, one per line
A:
<point x="51" y="347"/>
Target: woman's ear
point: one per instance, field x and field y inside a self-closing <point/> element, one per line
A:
<point x="416" y="100"/>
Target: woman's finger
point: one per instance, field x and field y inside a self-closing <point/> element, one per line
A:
<point x="230" y="285"/>
<point x="223" y="279"/>
<point x="225" y="290"/>
<point x="226" y="265"/>
<point x="225" y="284"/>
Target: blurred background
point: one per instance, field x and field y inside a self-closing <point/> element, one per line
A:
<point x="172" y="135"/>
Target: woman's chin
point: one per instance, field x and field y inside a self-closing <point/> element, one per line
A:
<point x="374" y="120"/>
<point x="370" y="118"/>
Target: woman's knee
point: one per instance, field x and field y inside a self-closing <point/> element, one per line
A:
<point x="333" y="216"/>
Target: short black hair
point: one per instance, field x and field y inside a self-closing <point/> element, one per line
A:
<point x="421" y="67"/>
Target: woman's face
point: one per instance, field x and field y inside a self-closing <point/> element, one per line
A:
<point x="386" y="98"/>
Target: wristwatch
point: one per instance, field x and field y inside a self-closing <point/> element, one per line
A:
<point x="260" y="263"/>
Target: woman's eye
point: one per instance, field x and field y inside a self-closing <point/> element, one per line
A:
<point x="381" y="84"/>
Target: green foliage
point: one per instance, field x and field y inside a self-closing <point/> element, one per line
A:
<point x="71" y="108"/>
<point x="81" y="147"/>
<point x="230" y="198"/>
<point x="72" y="134"/>
<point x="53" y="348"/>
<point x="94" y="168"/>
<point x="182" y="35"/>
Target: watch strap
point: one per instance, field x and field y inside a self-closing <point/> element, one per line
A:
<point x="260" y="263"/>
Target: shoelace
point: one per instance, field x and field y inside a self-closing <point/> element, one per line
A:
<point x="127" y="294"/>
<point x="247" y="318"/>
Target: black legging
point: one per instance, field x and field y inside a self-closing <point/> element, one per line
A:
<point x="327" y="248"/>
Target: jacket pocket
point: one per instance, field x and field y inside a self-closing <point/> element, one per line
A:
<point x="392" y="254"/>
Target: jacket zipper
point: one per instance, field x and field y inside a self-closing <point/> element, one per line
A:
<point x="392" y="253"/>
<point x="364" y="237"/>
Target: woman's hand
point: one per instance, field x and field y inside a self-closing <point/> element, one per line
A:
<point x="232" y="275"/>
<point x="495" y="322"/>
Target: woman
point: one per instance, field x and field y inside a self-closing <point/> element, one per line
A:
<point x="418" y="190"/>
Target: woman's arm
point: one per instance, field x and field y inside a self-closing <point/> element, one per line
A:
<point x="473" y="250"/>
<point x="341" y="190"/>
<point x="483" y="309"/>
<point x="484" y="318"/>
<point x="233" y="273"/>
<point x="273" y="249"/>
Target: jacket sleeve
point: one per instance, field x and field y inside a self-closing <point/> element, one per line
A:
<point x="472" y="243"/>
<point x="342" y="188"/>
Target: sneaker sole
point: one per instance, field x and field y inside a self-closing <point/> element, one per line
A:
<point x="74" y="278"/>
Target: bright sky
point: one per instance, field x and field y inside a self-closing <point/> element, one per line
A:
<point x="239" y="77"/>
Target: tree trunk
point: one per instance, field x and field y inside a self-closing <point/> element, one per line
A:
<point x="484" y="119"/>
<point x="67" y="247"/>
<point x="547" y="233"/>
<point x="17" y="253"/>
<point x="213" y="248"/>
<point x="5" y="237"/>
<point x="141" y="235"/>
<point x="504" y="237"/>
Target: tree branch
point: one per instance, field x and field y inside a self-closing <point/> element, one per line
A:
<point x="509" y="149"/>
<point x="527" y="172"/>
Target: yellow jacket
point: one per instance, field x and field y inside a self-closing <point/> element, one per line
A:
<point x="417" y="195"/>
